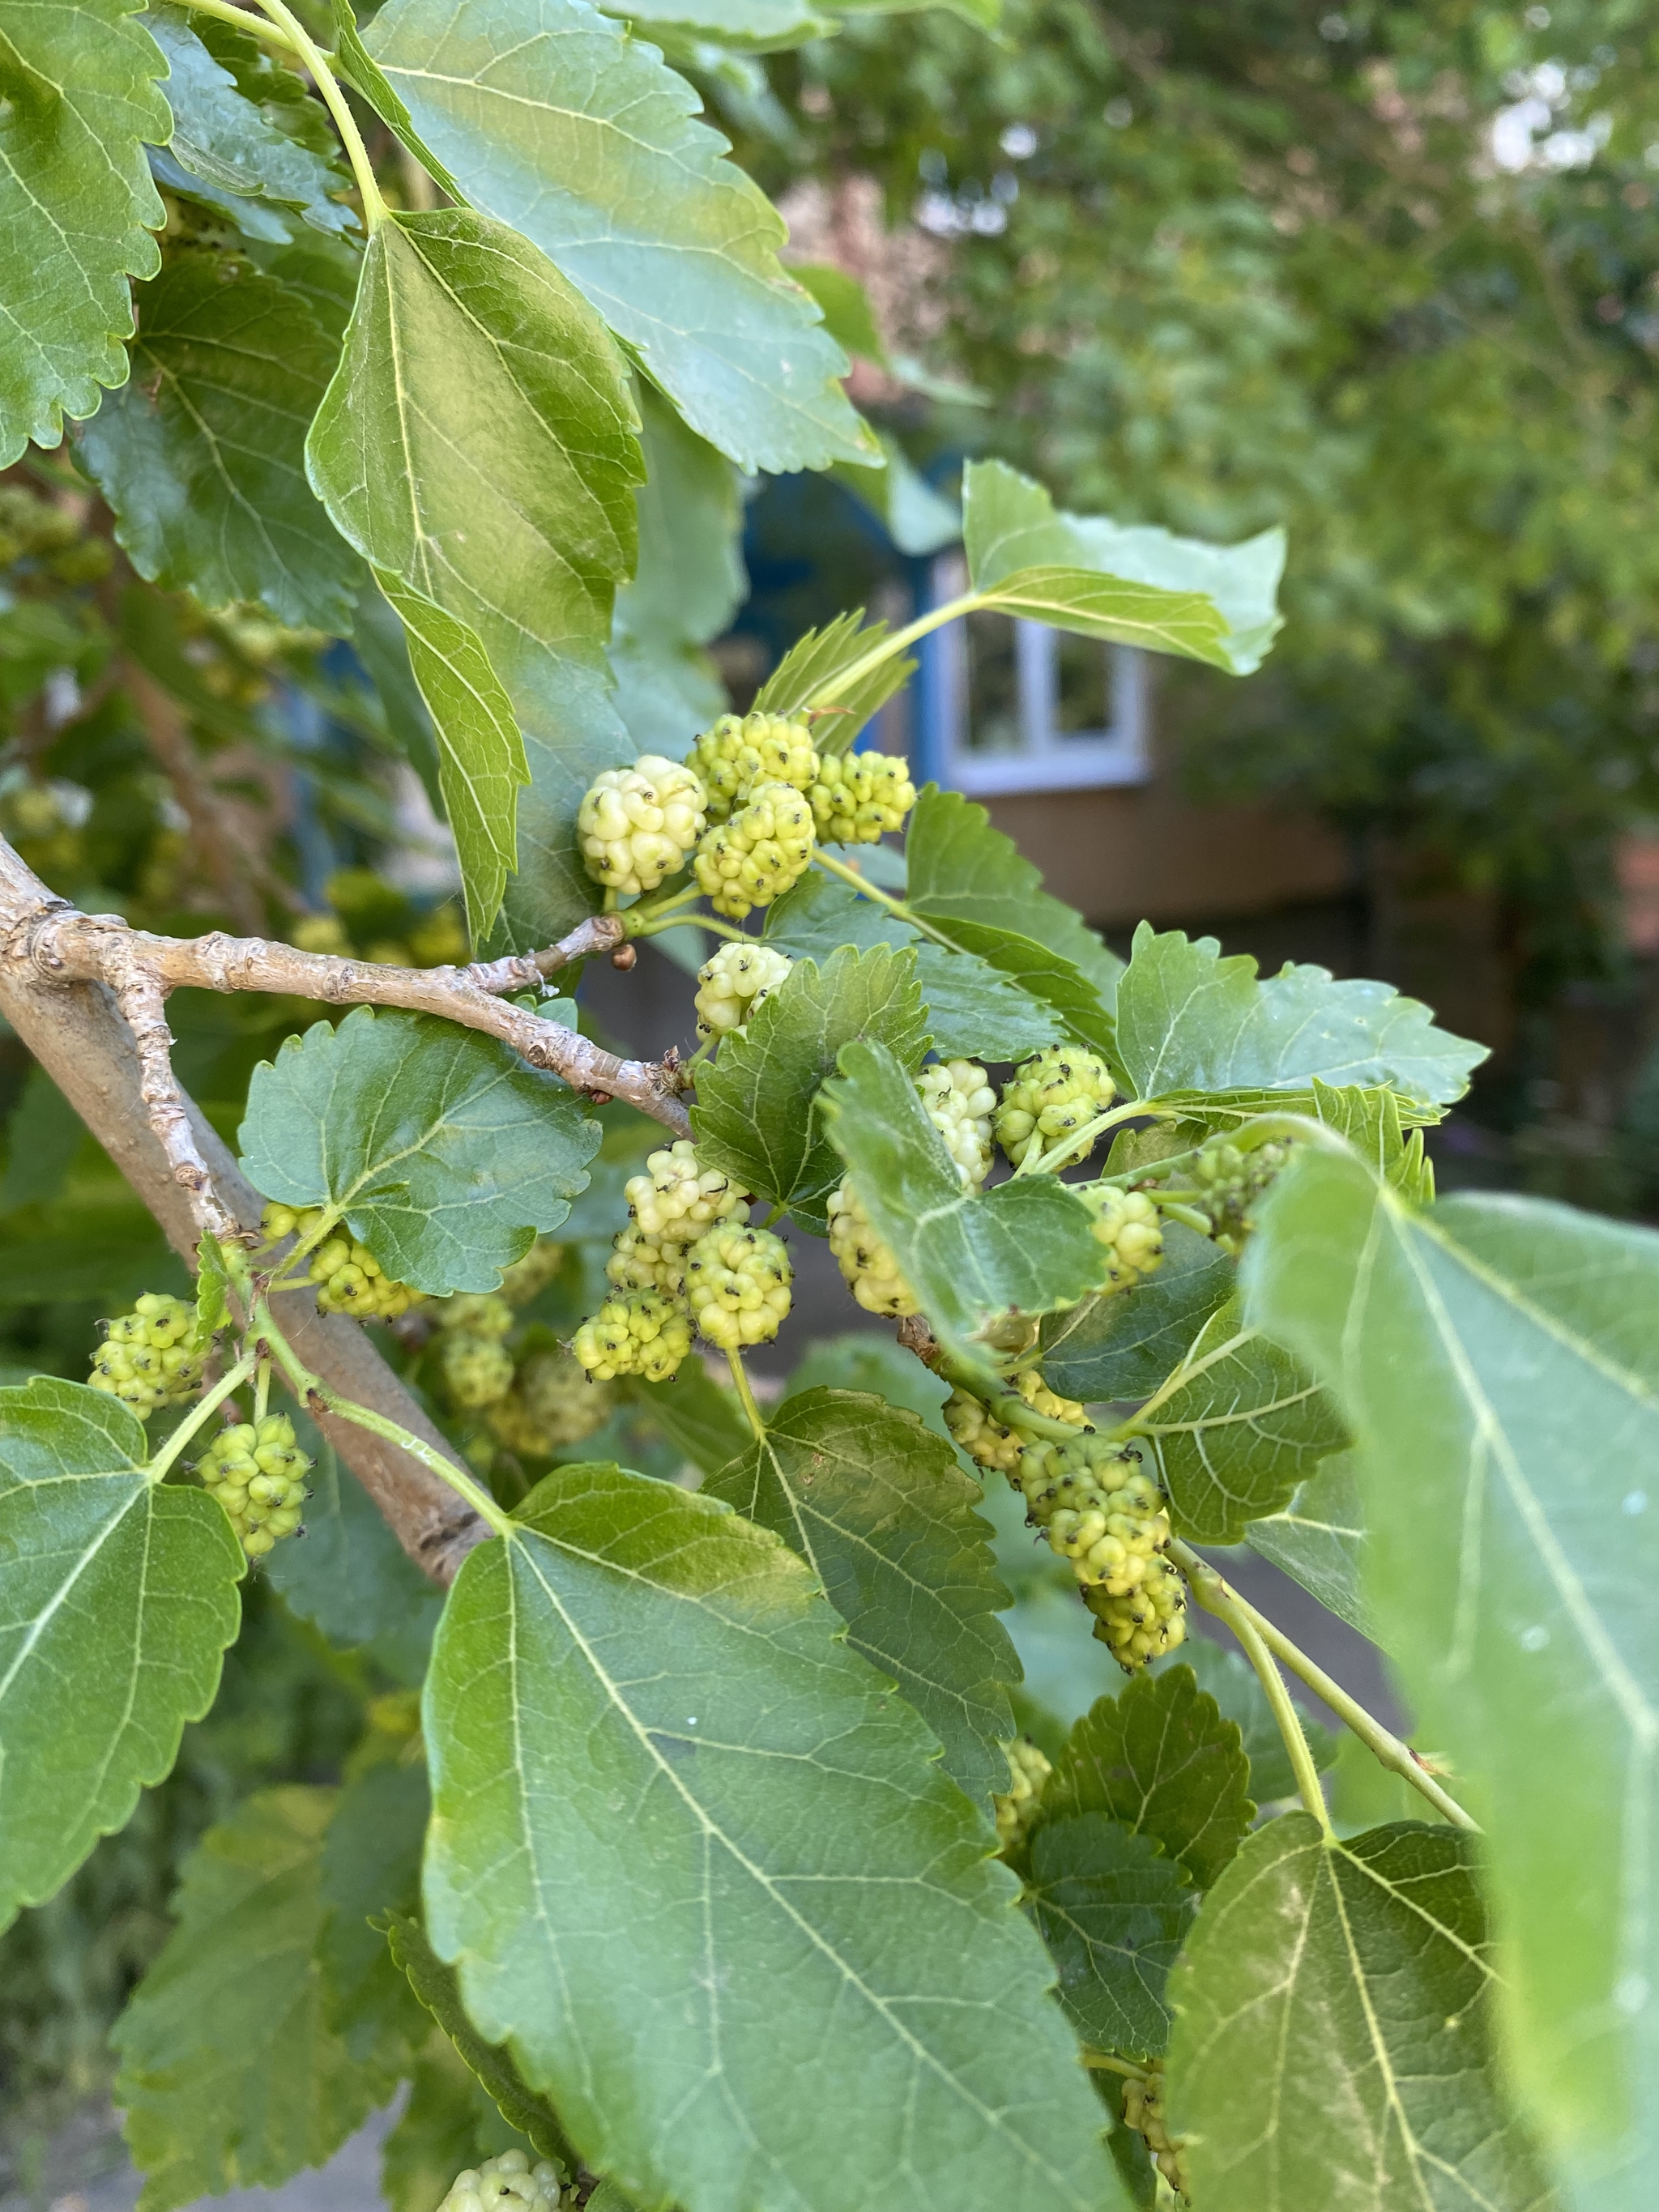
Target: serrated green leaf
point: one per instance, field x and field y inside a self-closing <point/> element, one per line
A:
<point x="230" y="2074"/>
<point x="446" y="1154"/>
<point x="477" y="444"/>
<point x="201" y="453"/>
<point x="447" y="2123"/>
<point x="961" y="869"/>
<point x="212" y="1288"/>
<point x="878" y="1507"/>
<point x="765" y="26"/>
<point x="695" y="1413"/>
<point x="783" y="1823"/>
<point x="1495" y="1360"/>
<point x="1123" y="1343"/>
<point x="1189" y="1020"/>
<point x="244" y="123"/>
<point x="1129" y="583"/>
<point x="1319" y="1541"/>
<point x="551" y="119"/>
<point x="755" y="1116"/>
<point x="1227" y="1675"/>
<point x="969" y="1256"/>
<point x="77" y="78"/>
<point x="351" y="1579"/>
<point x="1114" y="1913"/>
<point x="1242" y="1426"/>
<point x="1376" y="1123"/>
<point x="1160" y="1758"/>
<point x="813" y="660"/>
<point x="118" y="1597"/>
<point x="876" y="1367"/>
<point x="1335" y="2038"/>
<point x="973" y="1012"/>
<point x="481" y="756"/>
<point x="372" y="1866"/>
<point x="434" y="1984"/>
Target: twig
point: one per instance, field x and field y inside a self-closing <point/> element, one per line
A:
<point x="143" y="1002"/>
<point x="522" y="971"/>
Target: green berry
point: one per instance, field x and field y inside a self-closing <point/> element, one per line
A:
<point x="1015" y="1809"/>
<point x="636" y="824"/>
<point x="736" y="1282"/>
<point x="153" y="1356"/>
<point x="477" y="1370"/>
<point x="732" y="984"/>
<point x="742" y="751"/>
<point x="1142" y="2111"/>
<point x="640" y="1262"/>
<point x="507" y="2184"/>
<point x="985" y="1439"/>
<point x="1131" y="1228"/>
<point x="1062" y="1090"/>
<point x="960" y="1103"/>
<point x="1140" y="1625"/>
<point x="476" y="1313"/>
<point x="257" y="1473"/>
<point x="1042" y="1400"/>
<point x="552" y="1403"/>
<point x="636" y="1333"/>
<point x="679" y="1199"/>
<point x="859" y="797"/>
<point x="869" y="1265"/>
<point x="754" y="858"/>
<point x="1231" y="1183"/>
<point x="528" y="1278"/>
<point x="349" y="1279"/>
<point x="1099" y="1509"/>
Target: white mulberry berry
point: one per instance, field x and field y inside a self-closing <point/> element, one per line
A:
<point x="742" y="751"/>
<point x="859" y="797"/>
<point x="1059" y="1090"/>
<point x="1131" y="1228"/>
<point x="1141" y="1624"/>
<point x="153" y="1356"/>
<point x="869" y="1265"/>
<point x="639" y="1262"/>
<point x="349" y="1279"/>
<point x="477" y="1370"/>
<point x="1016" y="1809"/>
<point x="636" y="1333"/>
<point x="552" y="1403"/>
<point x="677" y="1198"/>
<point x="507" y="2184"/>
<point x="754" y="858"/>
<point x="636" y="824"/>
<point x="258" y="1474"/>
<point x="736" y="1282"/>
<point x="527" y="1277"/>
<point x="1229" y="1184"/>
<point x="732" y="984"/>
<point x="960" y="1103"/>
<point x="1042" y="1400"/>
<point x="1142" y="2111"/>
<point x="980" y="1434"/>
<point x="476" y="1313"/>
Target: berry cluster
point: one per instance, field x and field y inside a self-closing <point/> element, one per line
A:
<point x="1015" y="1809"/>
<point x="1049" y="1404"/>
<point x="1061" y="1090"/>
<point x="506" y="2184"/>
<point x="258" y="1474"/>
<point x="869" y="1265"/>
<point x="349" y="1279"/>
<point x="752" y="859"/>
<point x="684" y="1252"/>
<point x="153" y="1356"/>
<point x="1130" y="1227"/>
<point x="732" y="984"/>
<point x="985" y="1439"/>
<point x="1230" y="1181"/>
<point x="634" y="1332"/>
<point x="1142" y="2111"/>
<point x="959" y="1103"/>
<point x="859" y="798"/>
<point x="473" y="1359"/>
<point x="742" y="751"/>
<point x="737" y="1281"/>
<point x="552" y="1404"/>
<point x="636" y="824"/>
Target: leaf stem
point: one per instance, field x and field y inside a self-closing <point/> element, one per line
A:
<point x="745" y="1392"/>
<point x="1213" y="1595"/>
<point x="692" y="921"/>
<point x="310" y="1388"/>
<point x="1006" y="1406"/>
<point x="335" y="101"/>
<point x="934" y="619"/>
<point x="1104" y="2062"/>
<point x="163" y="1459"/>
<point x="272" y="32"/>
<point x="1188" y="1216"/>
<point x="821" y="858"/>
<point x="1388" y="1748"/>
<point x="1046" y="1163"/>
<point x="262" y="1386"/>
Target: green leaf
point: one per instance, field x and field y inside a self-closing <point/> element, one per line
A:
<point x="755" y="1116"/>
<point x="743" y="26"/>
<point x="772" y="1817"/>
<point x="1375" y="1122"/>
<point x="1123" y="1343"/>
<point x="876" y="1367"/>
<point x="212" y="1288"/>
<point x="1227" y="1676"/>
<point x="552" y="119"/>
<point x="381" y="643"/>
<point x="119" y="1597"/>
<point x="351" y="1579"/>
<point x="243" y="122"/>
<point x="1242" y="1426"/>
<point x="1335" y="2038"/>
<point x="77" y="78"/>
<point x="1319" y="1541"/>
<point x="372" y="1866"/>
<point x="1160" y="1758"/>
<point x="963" y="870"/>
<point x="813" y="660"/>
<point x="693" y="1411"/>
<point x="1114" y="1913"/>
<point x="848" y="315"/>
<point x="435" y="1986"/>
<point x="878" y="1507"/>
<point x="968" y="1257"/>
<point x="477" y="444"/>
<point x="230" y="2073"/>
<point x="1495" y="1360"/>
<point x="1189" y="1020"/>
<point x="201" y="453"/>
<point x="1131" y="584"/>
<point x="481" y="756"/>
<point x="447" y="2123"/>
<point x="446" y="1154"/>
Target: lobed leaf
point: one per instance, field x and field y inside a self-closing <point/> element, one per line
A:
<point x="1319" y="1541"/>
<point x="1114" y="1913"/>
<point x="1130" y="584"/>
<point x="1122" y="1344"/>
<point x="1227" y="1675"/>
<point x="1335" y="2038"/>
<point x="879" y="1508"/>
<point x="658" y="1769"/>
<point x="118" y="1597"/>
<point x="1495" y="1358"/>
<point x="444" y="1152"/>
<point x="696" y="1414"/>
<point x="755" y="1116"/>
<point x="551" y="119"/>
<point x="78" y="80"/>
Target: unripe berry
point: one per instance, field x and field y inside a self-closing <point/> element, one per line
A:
<point x="477" y="1371"/>
<point x="744" y="750"/>
<point x="527" y="1277"/>
<point x="737" y="1281"/>
<point x="1231" y="1183"/>
<point x="636" y="1333"/>
<point x="636" y="824"/>
<point x="257" y="1473"/>
<point x="1142" y="2111"/>
<point x="639" y="1262"/>
<point x="1059" y="1090"/>
<point x="552" y="1403"/>
<point x="677" y="1199"/>
<point x="960" y="1103"/>
<point x="507" y="2184"/>
<point x="859" y="797"/>
<point x="1042" y="1400"/>
<point x="754" y="858"/>
<point x="153" y="1356"/>
<point x="1140" y="1624"/>
<point x="868" y="1264"/>
<point x="1131" y="1228"/>
<point x="349" y="1279"/>
<point x="985" y="1440"/>
<point x="732" y="984"/>
<point x="476" y="1313"/>
<point x="1015" y="1809"/>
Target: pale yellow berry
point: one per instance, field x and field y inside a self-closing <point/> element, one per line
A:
<point x="869" y="1265"/>
<point x="636" y="824"/>
<point x="1059" y="1091"/>
<point x="738" y="1283"/>
<point x="732" y="984"/>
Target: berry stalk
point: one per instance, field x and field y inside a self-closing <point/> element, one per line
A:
<point x="164" y="1457"/>
<point x="1211" y="1594"/>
